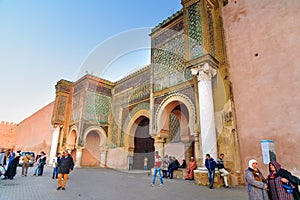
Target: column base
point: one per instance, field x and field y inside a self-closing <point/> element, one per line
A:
<point x="77" y="166"/>
<point x="201" y="178"/>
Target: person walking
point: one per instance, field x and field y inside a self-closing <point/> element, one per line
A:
<point x="157" y="169"/>
<point x="2" y="158"/>
<point x="276" y="178"/>
<point x="224" y="173"/>
<point x="25" y="165"/>
<point x="65" y="166"/>
<point x="190" y="169"/>
<point x="145" y="163"/>
<point x="42" y="163"/>
<point x="55" y="166"/>
<point x="210" y="165"/>
<point x="36" y="164"/>
<point x="256" y="183"/>
<point x="130" y="163"/>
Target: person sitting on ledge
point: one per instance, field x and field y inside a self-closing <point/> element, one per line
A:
<point x="173" y="166"/>
<point x="190" y="169"/>
<point x="183" y="165"/>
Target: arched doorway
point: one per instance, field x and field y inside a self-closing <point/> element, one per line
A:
<point x="91" y="153"/>
<point x="143" y="145"/>
<point x="72" y="140"/>
<point x="174" y="122"/>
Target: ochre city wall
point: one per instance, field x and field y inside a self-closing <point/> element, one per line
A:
<point x="35" y="132"/>
<point x="7" y="135"/>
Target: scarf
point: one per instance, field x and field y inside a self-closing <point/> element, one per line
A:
<point x="257" y="175"/>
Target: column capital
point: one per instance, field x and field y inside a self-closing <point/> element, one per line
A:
<point x="79" y="148"/>
<point x="204" y="72"/>
<point x="196" y="136"/>
<point x="158" y="139"/>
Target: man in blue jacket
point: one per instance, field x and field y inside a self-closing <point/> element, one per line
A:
<point x="65" y="166"/>
<point x="210" y="164"/>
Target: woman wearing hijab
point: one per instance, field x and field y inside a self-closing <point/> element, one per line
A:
<point x="276" y="178"/>
<point x="12" y="166"/>
<point x="256" y="183"/>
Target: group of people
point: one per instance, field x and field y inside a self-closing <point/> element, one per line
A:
<point x="10" y="170"/>
<point x="62" y="166"/>
<point x="280" y="184"/>
<point x="40" y="162"/>
<point x="169" y="164"/>
<point x="211" y="165"/>
<point x="166" y="166"/>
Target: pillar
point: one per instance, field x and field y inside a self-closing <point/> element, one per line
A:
<point x="103" y="156"/>
<point x="198" y="153"/>
<point x="204" y="74"/>
<point x="159" y="146"/>
<point x="78" y="156"/>
<point x="54" y="144"/>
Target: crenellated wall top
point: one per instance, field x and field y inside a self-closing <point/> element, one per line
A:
<point x="4" y="123"/>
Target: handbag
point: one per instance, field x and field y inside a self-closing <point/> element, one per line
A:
<point x="288" y="187"/>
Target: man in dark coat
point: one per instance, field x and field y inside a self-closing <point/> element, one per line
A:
<point x="42" y="163"/>
<point x="65" y="166"/>
<point x="173" y="166"/>
<point x="210" y="165"/>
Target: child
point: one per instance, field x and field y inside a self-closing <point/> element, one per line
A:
<point x="2" y="170"/>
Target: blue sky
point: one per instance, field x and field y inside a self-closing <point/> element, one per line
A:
<point x="42" y="42"/>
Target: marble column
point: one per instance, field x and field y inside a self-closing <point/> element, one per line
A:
<point x="78" y="156"/>
<point x="54" y="144"/>
<point x="204" y="74"/>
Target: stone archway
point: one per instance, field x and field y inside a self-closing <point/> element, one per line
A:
<point x="143" y="157"/>
<point x="164" y="107"/>
<point x="175" y="122"/>
<point x="136" y="128"/>
<point x="72" y="139"/>
<point x="72" y="142"/>
<point x="94" y="152"/>
<point x="130" y="128"/>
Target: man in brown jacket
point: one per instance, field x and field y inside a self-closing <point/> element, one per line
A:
<point x="25" y="164"/>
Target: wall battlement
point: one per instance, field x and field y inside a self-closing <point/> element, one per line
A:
<point x="8" y="134"/>
<point x="3" y="123"/>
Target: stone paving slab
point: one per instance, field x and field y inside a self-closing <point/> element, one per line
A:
<point x="108" y="184"/>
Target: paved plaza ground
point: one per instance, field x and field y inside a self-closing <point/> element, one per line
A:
<point x="108" y="184"/>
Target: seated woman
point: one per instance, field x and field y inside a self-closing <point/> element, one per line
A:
<point x="190" y="169"/>
<point x="183" y="165"/>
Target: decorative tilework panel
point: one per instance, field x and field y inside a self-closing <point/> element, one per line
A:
<point x="62" y="107"/>
<point x="174" y="128"/>
<point x="76" y="107"/>
<point x="168" y="64"/>
<point x="114" y="137"/>
<point x="211" y="30"/>
<point x="195" y="30"/>
<point x="97" y="107"/>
